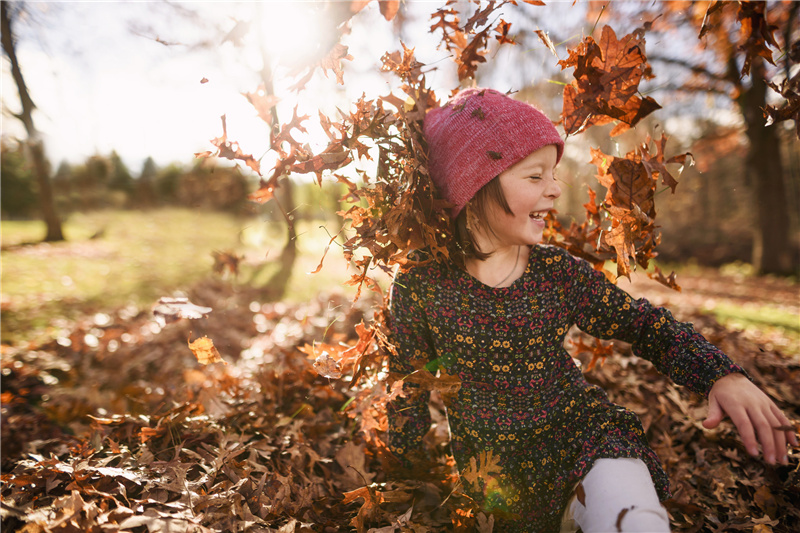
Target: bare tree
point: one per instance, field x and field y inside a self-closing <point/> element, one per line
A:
<point x="35" y="144"/>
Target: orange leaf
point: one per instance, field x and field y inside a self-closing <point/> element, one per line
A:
<point x="205" y="351"/>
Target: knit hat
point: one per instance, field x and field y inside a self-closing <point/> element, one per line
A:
<point x="479" y="134"/>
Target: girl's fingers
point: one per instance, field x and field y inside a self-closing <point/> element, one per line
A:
<point x="746" y="431"/>
<point x="763" y="428"/>
<point x="786" y="425"/>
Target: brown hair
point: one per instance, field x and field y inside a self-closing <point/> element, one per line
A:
<point x="463" y="245"/>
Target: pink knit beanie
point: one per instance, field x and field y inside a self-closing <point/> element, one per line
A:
<point x="478" y="135"/>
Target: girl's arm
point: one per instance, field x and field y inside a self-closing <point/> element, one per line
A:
<point x="677" y="350"/>
<point x="409" y="417"/>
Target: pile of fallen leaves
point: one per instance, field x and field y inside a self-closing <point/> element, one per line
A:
<point x="116" y="427"/>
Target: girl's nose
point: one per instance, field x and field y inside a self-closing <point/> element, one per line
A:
<point x="554" y="189"/>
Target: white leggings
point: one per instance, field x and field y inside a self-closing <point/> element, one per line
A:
<point x="618" y="496"/>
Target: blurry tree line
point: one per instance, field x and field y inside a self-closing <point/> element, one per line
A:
<point x="106" y="182"/>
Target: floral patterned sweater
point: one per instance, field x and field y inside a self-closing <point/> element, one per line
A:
<point x="522" y="395"/>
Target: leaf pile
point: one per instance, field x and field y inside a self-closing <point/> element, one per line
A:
<point x="118" y="428"/>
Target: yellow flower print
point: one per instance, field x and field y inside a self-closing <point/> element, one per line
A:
<point x="506" y="368"/>
<point x="468" y="340"/>
<point x="460" y="338"/>
<point x="506" y="344"/>
<point x="496" y="368"/>
<point x="496" y="343"/>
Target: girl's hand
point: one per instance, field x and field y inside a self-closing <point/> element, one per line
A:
<point x="754" y="414"/>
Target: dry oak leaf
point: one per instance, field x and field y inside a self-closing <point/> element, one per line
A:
<point x="263" y="102"/>
<point x="447" y="385"/>
<point x="372" y="500"/>
<point x="627" y="226"/>
<point x="485" y="468"/>
<point x="205" y="351"/>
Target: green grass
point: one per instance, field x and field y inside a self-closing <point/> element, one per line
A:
<point x="777" y="328"/>
<point x="141" y="256"/>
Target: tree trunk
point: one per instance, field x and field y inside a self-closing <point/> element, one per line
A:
<point x="35" y="145"/>
<point x="275" y="287"/>
<point x="772" y="245"/>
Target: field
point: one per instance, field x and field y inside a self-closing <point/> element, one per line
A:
<point x="116" y="259"/>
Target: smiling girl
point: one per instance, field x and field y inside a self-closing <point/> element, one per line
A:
<point x="496" y="315"/>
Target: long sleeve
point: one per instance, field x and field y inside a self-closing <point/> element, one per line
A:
<point x="605" y="311"/>
<point x="409" y="417"/>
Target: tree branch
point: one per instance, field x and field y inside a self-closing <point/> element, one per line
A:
<point x="697" y="69"/>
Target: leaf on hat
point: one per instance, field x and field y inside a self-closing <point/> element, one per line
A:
<point x="494" y="155"/>
<point x="478" y="112"/>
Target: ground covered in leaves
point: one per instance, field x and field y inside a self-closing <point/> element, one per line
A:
<point x="114" y="426"/>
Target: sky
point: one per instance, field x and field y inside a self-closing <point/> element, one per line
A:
<point x="103" y="78"/>
<point x="102" y="81"/>
<point x="126" y="76"/>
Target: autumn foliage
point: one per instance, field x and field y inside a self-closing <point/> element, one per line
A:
<point x="288" y="436"/>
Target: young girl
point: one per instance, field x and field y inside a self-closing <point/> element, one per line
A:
<point x="496" y="316"/>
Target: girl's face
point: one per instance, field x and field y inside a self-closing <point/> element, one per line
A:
<point x="531" y="190"/>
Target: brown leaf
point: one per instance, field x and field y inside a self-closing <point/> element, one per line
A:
<point x="327" y="367"/>
<point x="263" y="102"/>
<point x="389" y="8"/>
<point x="231" y="150"/>
<point x="226" y="263"/>
<point x="264" y="194"/>
<point x="372" y="500"/>
<point x="502" y="30"/>
<point x="766" y="501"/>
<point x="545" y="38"/>
<point x="205" y="351"/>
<point x="486" y="468"/>
<point x="447" y="385"/>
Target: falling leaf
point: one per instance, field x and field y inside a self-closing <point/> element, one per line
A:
<point x="169" y="310"/>
<point x="545" y="38"/>
<point x="226" y="263"/>
<point x="263" y="102"/>
<point x="204" y="80"/>
<point x="205" y="351"/>
<point x="327" y="367"/>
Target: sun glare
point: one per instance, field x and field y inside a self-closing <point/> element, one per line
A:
<point x="291" y="32"/>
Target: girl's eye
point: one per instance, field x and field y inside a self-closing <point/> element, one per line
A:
<point x="534" y="177"/>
